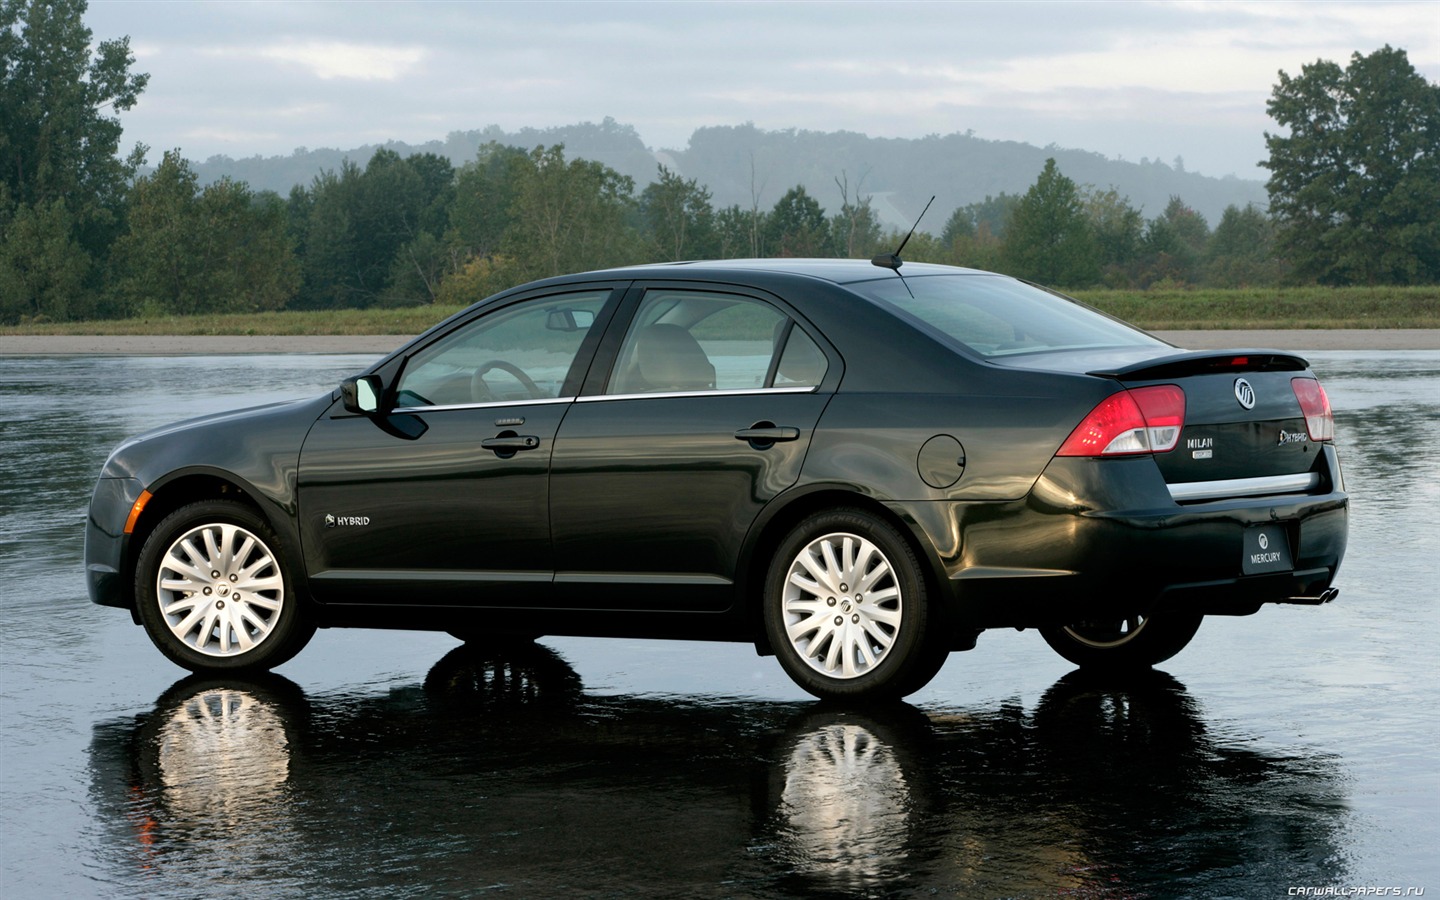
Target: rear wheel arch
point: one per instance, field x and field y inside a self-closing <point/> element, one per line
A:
<point x="848" y="608"/>
<point x="774" y="529"/>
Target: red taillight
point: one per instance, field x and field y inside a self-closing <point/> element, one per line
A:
<point x="1319" y="421"/>
<point x="1141" y="420"/>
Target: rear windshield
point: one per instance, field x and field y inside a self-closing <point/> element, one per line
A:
<point x="997" y="316"/>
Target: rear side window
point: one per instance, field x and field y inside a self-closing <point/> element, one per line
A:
<point x="997" y="316"/>
<point x="685" y="341"/>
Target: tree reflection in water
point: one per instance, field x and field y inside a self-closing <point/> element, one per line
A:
<point x="502" y="772"/>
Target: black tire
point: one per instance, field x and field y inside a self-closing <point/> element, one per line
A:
<point x="246" y="616"/>
<point x="1137" y="642"/>
<point x="850" y="646"/>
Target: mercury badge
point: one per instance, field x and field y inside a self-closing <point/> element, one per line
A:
<point x="1244" y="393"/>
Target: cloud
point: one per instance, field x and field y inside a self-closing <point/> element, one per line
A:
<point x="1155" y="79"/>
<point x="336" y="60"/>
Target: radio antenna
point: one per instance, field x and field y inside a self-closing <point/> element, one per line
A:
<point x="893" y="260"/>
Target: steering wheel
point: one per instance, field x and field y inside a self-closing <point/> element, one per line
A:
<point x="480" y="391"/>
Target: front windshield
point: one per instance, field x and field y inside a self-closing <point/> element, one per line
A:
<point x="997" y="316"/>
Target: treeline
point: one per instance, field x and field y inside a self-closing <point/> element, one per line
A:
<point x="416" y="230"/>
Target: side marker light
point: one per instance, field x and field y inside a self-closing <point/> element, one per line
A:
<point x="135" y="511"/>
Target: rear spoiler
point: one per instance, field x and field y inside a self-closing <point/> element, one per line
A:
<point x="1207" y="362"/>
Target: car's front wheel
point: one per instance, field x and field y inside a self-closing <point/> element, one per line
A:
<point x="1134" y="642"/>
<point x="847" y="612"/>
<point x="214" y="593"/>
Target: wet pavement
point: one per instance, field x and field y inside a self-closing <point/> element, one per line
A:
<point x="1291" y="749"/>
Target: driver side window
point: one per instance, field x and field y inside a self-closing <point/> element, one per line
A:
<point x="522" y="352"/>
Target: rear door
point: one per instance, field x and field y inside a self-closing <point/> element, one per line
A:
<point x="692" y="422"/>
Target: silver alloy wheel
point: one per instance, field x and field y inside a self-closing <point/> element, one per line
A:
<point x="1105" y="635"/>
<point x="220" y="590"/>
<point x="842" y="605"/>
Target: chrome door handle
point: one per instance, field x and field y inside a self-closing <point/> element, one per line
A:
<point x="511" y="442"/>
<point x="768" y="434"/>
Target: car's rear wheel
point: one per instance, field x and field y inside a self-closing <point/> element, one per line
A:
<point x="214" y="593"/>
<point x="846" y="609"/>
<point x="1133" y="642"/>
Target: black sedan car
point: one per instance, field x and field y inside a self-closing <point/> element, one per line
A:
<point x="855" y="467"/>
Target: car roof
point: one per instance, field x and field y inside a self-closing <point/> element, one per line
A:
<point x="838" y="271"/>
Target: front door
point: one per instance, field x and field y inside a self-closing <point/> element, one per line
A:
<point x="446" y="500"/>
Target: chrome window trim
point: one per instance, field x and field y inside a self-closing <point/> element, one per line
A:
<point x="1244" y="487"/>
<point x="595" y="398"/>
<point x="499" y="404"/>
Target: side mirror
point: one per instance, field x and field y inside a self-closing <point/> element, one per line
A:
<point x="361" y="394"/>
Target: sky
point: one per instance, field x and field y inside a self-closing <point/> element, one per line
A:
<point x="1129" y="80"/>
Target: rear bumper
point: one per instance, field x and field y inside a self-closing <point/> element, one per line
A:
<point x="1099" y="538"/>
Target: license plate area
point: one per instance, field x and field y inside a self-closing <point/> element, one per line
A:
<point x="1266" y="549"/>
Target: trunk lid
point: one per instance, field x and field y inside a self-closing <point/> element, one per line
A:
<point x="1245" y="431"/>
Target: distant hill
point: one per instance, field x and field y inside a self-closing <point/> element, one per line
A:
<point x="956" y="168"/>
<point x="899" y="174"/>
<point x="617" y="146"/>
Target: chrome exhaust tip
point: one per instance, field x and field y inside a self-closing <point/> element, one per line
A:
<point x="1325" y="596"/>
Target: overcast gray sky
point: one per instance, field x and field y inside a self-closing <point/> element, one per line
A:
<point x="1129" y="79"/>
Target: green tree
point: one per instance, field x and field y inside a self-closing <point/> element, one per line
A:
<point x="1048" y="238"/>
<point x="399" y="211"/>
<point x="335" y="274"/>
<point x="408" y="201"/>
<point x="679" y="220"/>
<point x="375" y="237"/>
<point x="188" y="250"/>
<point x="482" y="210"/>
<point x="1118" y="228"/>
<point x="921" y="247"/>
<point x="989" y="215"/>
<point x="299" y="207"/>
<point x="796" y="226"/>
<point x="416" y="271"/>
<point x="1241" y="250"/>
<point x="1173" y="247"/>
<point x="1355" y="184"/>
<point x="973" y="235"/>
<point x="43" y="272"/>
<point x="569" y="217"/>
<point x="979" y="249"/>
<point x="62" y="186"/>
<point x="855" y="231"/>
<point x="55" y="139"/>
<point x="739" y="233"/>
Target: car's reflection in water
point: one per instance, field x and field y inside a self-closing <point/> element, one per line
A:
<point x="502" y="773"/>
